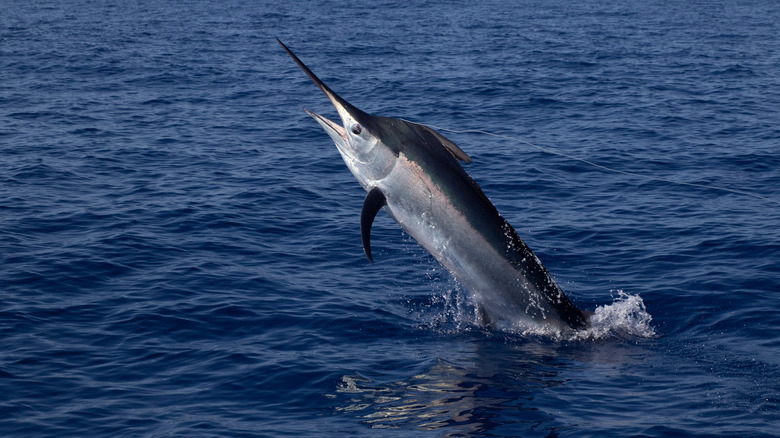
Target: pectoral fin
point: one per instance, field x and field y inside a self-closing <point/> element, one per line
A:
<point x="374" y="202"/>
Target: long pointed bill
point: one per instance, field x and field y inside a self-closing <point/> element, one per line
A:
<point x="342" y="106"/>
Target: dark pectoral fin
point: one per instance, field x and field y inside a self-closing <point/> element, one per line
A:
<point x="374" y="202"/>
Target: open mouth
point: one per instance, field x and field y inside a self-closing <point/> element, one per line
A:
<point x="329" y="125"/>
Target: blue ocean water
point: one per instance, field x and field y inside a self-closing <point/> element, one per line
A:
<point x="180" y="242"/>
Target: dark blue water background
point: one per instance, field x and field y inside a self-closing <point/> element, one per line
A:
<point x="180" y="243"/>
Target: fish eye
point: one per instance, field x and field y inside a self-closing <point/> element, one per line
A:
<point x="356" y="129"/>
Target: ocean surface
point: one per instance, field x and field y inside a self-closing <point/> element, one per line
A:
<point x="180" y="249"/>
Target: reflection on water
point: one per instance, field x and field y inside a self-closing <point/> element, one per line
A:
<point x="506" y="387"/>
<point x="444" y="397"/>
<point x="454" y="400"/>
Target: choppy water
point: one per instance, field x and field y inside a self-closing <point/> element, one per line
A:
<point x="180" y="243"/>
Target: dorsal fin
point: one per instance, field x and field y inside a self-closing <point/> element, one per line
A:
<point x="374" y="202"/>
<point x="444" y="141"/>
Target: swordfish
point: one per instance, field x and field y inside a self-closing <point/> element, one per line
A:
<point x="413" y="173"/>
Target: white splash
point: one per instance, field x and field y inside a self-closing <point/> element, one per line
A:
<point x="626" y="316"/>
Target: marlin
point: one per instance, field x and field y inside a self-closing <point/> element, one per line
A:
<point x="413" y="173"/>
